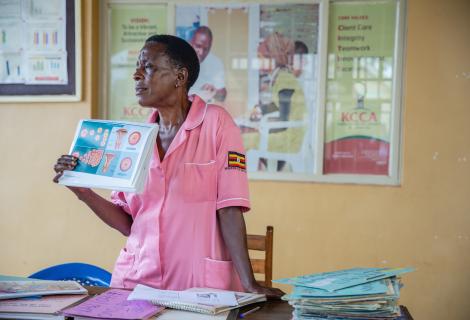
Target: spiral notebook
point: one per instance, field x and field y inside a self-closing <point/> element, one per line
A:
<point x="172" y="314"/>
<point x="180" y="300"/>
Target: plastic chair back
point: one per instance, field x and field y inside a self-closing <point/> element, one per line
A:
<point x="83" y="273"/>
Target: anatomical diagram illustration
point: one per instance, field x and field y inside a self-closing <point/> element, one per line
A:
<point x="108" y="157"/>
<point x="134" y="138"/>
<point x="92" y="157"/>
<point x="120" y="133"/>
<point x="126" y="163"/>
<point x="108" y="149"/>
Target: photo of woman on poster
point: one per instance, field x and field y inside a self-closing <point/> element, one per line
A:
<point x="278" y="132"/>
<point x="257" y="61"/>
<point x="282" y="100"/>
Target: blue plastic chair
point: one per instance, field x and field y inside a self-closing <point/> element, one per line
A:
<point x="83" y="273"/>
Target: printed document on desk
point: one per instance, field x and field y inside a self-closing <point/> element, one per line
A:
<point x="46" y="307"/>
<point x="171" y="314"/>
<point x="211" y="298"/>
<point x="111" y="155"/>
<point x="332" y="295"/>
<point x="113" y="304"/>
<point x="370" y="288"/>
<point x="19" y="289"/>
<point x="202" y="300"/>
<point x="336" y="280"/>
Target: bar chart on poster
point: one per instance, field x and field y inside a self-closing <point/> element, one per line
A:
<point x="39" y="55"/>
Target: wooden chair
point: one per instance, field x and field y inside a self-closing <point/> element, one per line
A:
<point x="262" y="266"/>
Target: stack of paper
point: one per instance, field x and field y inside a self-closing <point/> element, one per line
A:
<point x="18" y="289"/>
<point x="46" y="307"/>
<point x="44" y="298"/>
<point x="111" y="155"/>
<point x="360" y="293"/>
<point x="201" y="300"/>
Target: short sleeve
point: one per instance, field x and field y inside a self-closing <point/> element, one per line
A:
<point x="232" y="179"/>
<point x="118" y="198"/>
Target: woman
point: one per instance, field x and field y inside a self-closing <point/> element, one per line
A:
<point x="285" y="96"/>
<point x="186" y="229"/>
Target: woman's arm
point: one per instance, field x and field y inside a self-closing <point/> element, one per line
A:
<point x="110" y="213"/>
<point x="232" y="225"/>
<point x="113" y="215"/>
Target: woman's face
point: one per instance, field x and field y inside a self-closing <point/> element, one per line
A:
<point x="155" y="77"/>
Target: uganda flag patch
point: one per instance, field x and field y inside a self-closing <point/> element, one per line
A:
<point x="236" y="161"/>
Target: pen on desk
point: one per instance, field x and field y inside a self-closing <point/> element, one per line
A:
<point x="244" y="314"/>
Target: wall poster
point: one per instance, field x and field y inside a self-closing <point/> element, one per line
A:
<point x="259" y="62"/>
<point x="315" y="86"/>
<point x="39" y="50"/>
<point x="360" y="77"/>
<point x="129" y="25"/>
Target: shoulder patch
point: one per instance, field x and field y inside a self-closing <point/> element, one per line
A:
<point x="236" y="161"/>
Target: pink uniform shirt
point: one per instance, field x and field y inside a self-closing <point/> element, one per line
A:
<point x="175" y="241"/>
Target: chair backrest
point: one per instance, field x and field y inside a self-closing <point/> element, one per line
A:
<point x="262" y="266"/>
<point x="83" y="273"/>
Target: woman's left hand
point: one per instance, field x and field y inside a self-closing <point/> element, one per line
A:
<point x="271" y="293"/>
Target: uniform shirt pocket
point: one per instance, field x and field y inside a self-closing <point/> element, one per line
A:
<point x="218" y="274"/>
<point x="124" y="264"/>
<point x="200" y="181"/>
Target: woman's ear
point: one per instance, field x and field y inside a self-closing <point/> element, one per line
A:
<point x="182" y="77"/>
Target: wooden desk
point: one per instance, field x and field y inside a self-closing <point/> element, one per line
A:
<point x="273" y="309"/>
<point x="281" y="310"/>
<point x="270" y="310"/>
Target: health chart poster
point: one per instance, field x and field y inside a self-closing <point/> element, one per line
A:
<point x="359" y="105"/>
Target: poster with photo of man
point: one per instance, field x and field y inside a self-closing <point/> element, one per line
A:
<point x="258" y="62"/>
<point x="218" y="34"/>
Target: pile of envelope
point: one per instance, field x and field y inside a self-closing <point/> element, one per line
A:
<point x="359" y="293"/>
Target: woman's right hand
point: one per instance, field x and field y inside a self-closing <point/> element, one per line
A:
<point x="65" y="162"/>
<point x="69" y="162"/>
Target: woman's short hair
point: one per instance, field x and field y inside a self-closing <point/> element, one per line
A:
<point x="180" y="53"/>
<point x="300" y="47"/>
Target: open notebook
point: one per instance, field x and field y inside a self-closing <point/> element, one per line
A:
<point x="191" y="299"/>
<point x="172" y="314"/>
